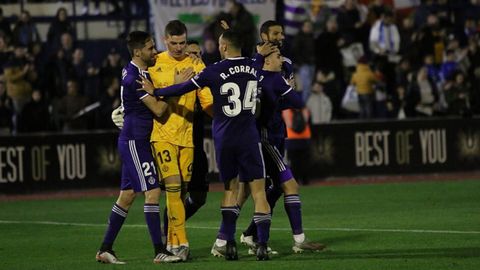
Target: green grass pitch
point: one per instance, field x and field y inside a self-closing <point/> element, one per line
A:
<point x="421" y="225"/>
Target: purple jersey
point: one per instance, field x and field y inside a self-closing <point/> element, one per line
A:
<point x="138" y="119"/>
<point x="274" y="89"/>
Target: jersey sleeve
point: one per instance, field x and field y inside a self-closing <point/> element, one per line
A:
<point x="129" y="83"/>
<point x="290" y="97"/>
<point x="202" y="79"/>
<point x="176" y="89"/>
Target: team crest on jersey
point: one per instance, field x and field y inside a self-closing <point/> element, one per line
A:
<point x="164" y="168"/>
<point x="151" y="180"/>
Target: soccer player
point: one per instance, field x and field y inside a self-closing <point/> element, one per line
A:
<point x="273" y="140"/>
<point x="237" y="143"/>
<point x="172" y="137"/>
<point x="138" y="167"/>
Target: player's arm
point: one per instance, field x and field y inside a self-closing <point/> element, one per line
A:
<point x="155" y="104"/>
<point x="291" y="98"/>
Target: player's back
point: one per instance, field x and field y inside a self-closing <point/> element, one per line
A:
<point x="138" y="119"/>
<point x="233" y="85"/>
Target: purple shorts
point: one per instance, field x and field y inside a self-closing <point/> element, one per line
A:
<point x="138" y="167"/>
<point x="276" y="168"/>
<point x="244" y="160"/>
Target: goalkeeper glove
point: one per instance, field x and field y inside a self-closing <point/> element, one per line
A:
<point x="117" y="117"/>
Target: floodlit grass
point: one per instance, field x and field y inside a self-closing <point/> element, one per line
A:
<point x="424" y="225"/>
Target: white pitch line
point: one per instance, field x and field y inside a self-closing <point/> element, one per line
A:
<point x="273" y="229"/>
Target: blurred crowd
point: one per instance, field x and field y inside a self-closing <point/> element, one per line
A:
<point x="369" y="62"/>
<point x="357" y="61"/>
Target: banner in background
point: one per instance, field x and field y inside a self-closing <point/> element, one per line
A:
<point x="198" y="14"/>
<point x="61" y="161"/>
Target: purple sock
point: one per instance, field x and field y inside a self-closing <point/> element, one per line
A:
<point x="229" y="223"/>
<point x="115" y="222"/>
<point x="273" y="194"/>
<point x="293" y="207"/>
<point x="152" y="217"/>
<point x="263" y="222"/>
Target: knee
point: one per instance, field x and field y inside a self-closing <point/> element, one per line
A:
<point x="126" y="198"/>
<point x="152" y="196"/>
<point x="290" y="187"/>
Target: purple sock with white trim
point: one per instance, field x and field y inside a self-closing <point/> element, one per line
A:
<point x="115" y="222"/>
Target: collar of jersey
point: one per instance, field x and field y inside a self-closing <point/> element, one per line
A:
<point x="139" y="69"/>
<point x="235" y="58"/>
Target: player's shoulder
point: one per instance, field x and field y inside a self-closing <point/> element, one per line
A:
<point x="130" y="73"/>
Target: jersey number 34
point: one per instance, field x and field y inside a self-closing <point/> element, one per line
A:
<point x="235" y="105"/>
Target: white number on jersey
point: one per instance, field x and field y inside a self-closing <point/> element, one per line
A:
<point x="235" y="105"/>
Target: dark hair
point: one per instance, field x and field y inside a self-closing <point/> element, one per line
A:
<point x="234" y="38"/>
<point x="175" y="28"/>
<point x="137" y="40"/>
<point x="266" y="26"/>
<point x="191" y="41"/>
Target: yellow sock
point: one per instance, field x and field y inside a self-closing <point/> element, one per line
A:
<point x="176" y="215"/>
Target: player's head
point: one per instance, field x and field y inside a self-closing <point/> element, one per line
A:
<point x="272" y="31"/>
<point x="193" y="47"/>
<point x="230" y="42"/>
<point x="273" y="62"/>
<point x="142" y="47"/>
<point x="176" y="39"/>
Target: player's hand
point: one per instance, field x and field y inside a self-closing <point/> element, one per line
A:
<point x="183" y="75"/>
<point x="117" y="117"/>
<point x="146" y="85"/>
<point x="267" y="48"/>
<point x="196" y="58"/>
<point x="224" y="25"/>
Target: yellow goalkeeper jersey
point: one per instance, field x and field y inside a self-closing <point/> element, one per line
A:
<point x="176" y="124"/>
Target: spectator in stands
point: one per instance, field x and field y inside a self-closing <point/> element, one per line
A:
<point x="457" y="95"/>
<point x="327" y="54"/>
<point x="57" y="73"/>
<point x="403" y="73"/>
<point x="397" y="105"/>
<point x="375" y="10"/>
<point x="5" y="52"/>
<point x="385" y="45"/>
<point x="109" y="101"/>
<point x="25" y="32"/>
<point x="304" y="57"/>
<point x="349" y="21"/>
<point x="58" y="27"/>
<point x="35" y="115"/>
<point x="422" y="12"/>
<point x="364" y="81"/>
<point x="432" y="70"/>
<point x="6" y="110"/>
<point x="319" y="14"/>
<point x="67" y="44"/>
<point x="19" y="73"/>
<point x="319" y="105"/>
<point x="5" y="27"/>
<point x="111" y="68"/>
<point x="79" y="69"/>
<point x="332" y="87"/>
<point x="69" y="107"/>
<point x="210" y="54"/>
<point x="424" y="94"/>
<point x="449" y="66"/>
